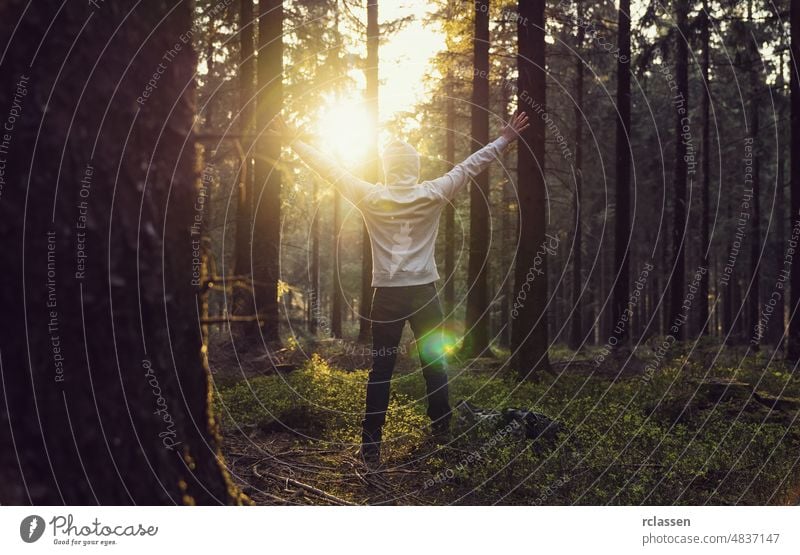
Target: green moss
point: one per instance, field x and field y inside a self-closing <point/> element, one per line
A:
<point x="625" y="442"/>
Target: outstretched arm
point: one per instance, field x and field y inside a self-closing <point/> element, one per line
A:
<point x="453" y="181"/>
<point x="351" y="187"/>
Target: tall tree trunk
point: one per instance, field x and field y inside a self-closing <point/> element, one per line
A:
<point x="777" y="326"/>
<point x="602" y="305"/>
<point x="507" y="240"/>
<point x="450" y="211"/>
<point x="590" y="301"/>
<point x="106" y="382"/>
<point x="336" y="289"/>
<point x="753" y="306"/>
<point x="576" y="331"/>
<point x="476" y="339"/>
<point x="267" y="197"/>
<point x="506" y="198"/>
<point x="623" y="165"/>
<point x="738" y="310"/>
<point x="681" y="106"/>
<point x="314" y="298"/>
<point x="373" y="38"/>
<point x="529" y="326"/>
<point x="207" y="178"/>
<point x="336" y="302"/>
<point x="705" y="244"/>
<point x="755" y="222"/>
<point x="716" y="315"/>
<point x="793" y="344"/>
<point x="727" y="291"/>
<point x="243" y="304"/>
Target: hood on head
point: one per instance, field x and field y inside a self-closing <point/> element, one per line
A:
<point x="400" y="163"/>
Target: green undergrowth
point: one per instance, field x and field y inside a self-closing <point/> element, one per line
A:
<point x="631" y="441"/>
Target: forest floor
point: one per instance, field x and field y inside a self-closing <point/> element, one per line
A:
<point x="700" y="427"/>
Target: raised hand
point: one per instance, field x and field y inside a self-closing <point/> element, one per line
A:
<point x="514" y="128"/>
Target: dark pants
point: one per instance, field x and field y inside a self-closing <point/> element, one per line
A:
<point x="391" y="307"/>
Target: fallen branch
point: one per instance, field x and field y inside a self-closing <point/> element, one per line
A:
<point x="276" y="498"/>
<point x="306" y="487"/>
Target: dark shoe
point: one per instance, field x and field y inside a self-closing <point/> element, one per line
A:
<point x="440" y="431"/>
<point x="370" y="455"/>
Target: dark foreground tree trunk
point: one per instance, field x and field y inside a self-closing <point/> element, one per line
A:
<point x="476" y="339"/>
<point x="106" y="394"/>
<point x="529" y="324"/>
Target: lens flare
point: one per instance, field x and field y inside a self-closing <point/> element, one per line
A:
<point x="438" y="344"/>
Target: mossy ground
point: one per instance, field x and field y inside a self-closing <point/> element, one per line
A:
<point x="690" y="432"/>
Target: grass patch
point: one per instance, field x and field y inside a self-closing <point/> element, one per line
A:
<point x="624" y="442"/>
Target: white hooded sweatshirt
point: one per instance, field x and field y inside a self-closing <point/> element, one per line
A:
<point x="402" y="217"/>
